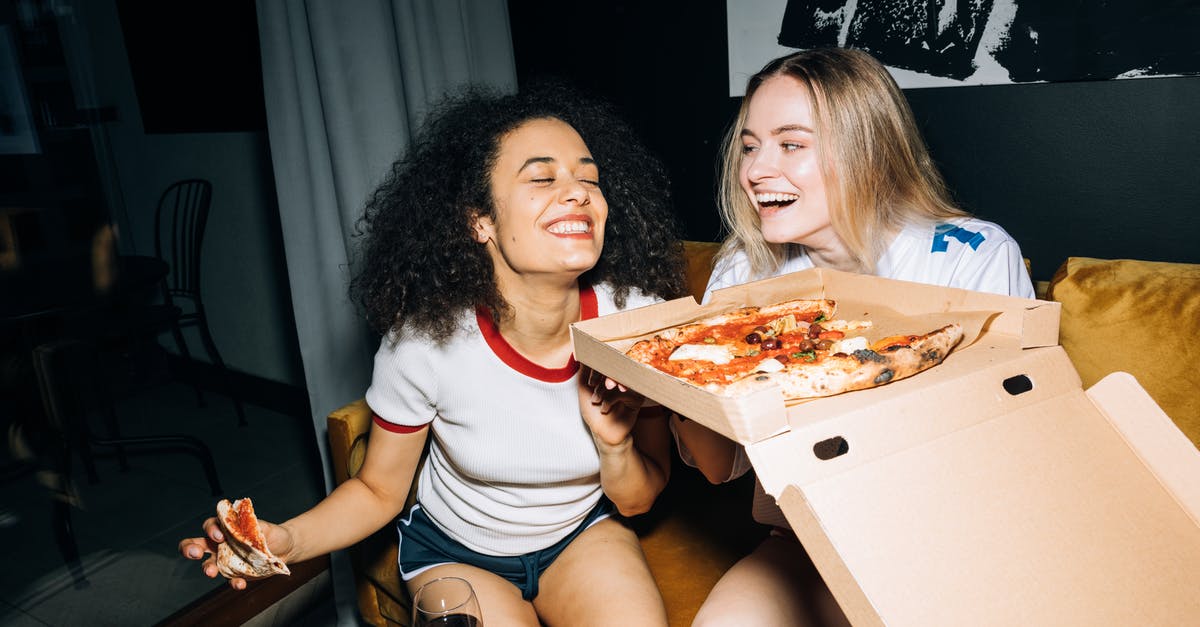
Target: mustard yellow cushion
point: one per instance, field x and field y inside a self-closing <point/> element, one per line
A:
<point x="1140" y="317"/>
<point x="699" y="258"/>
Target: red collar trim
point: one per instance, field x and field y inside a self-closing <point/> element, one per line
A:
<point x="588" y="309"/>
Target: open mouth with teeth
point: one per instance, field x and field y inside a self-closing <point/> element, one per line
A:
<point x="775" y="200"/>
<point x="571" y="228"/>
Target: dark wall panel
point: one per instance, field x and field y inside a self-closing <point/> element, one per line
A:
<point x="662" y="63"/>
<point x="1101" y="169"/>
<point x="195" y="65"/>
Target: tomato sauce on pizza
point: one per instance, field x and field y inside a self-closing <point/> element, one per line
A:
<point x="798" y="345"/>
<point x="245" y="523"/>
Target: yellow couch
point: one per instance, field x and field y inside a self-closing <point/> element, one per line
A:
<point x="1140" y="317"/>
<point x="1113" y="311"/>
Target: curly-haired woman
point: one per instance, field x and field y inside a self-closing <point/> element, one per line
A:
<point x="509" y="218"/>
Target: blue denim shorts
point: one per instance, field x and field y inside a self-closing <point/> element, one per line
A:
<point x="423" y="545"/>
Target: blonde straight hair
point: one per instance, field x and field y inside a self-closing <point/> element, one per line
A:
<point x="877" y="170"/>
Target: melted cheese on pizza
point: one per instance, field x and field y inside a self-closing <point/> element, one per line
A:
<point x="849" y="345"/>
<point x="715" y="353"/>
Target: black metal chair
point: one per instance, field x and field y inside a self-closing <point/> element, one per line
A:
<point x="179" y="225"/>
<point x="75" y="386"/>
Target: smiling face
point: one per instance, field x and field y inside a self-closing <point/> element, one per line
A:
<point x="549" y="212"/>
<point x="781" y="165"/>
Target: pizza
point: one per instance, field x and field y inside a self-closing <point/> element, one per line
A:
<point x="244" y="552"/>
<point x="798" y="345"/>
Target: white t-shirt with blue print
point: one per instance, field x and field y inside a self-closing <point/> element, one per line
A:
<point x="966" y="253"/>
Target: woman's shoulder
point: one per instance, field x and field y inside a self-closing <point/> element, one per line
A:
<point x="969" y="253"/>
<point x="730" y="267"/>
<point x="733" y="268"/>
<point x="412" y="342"/>
<point x="963" y="234"/>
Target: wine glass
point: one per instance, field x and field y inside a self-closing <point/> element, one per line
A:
<point x="446" y="602"/>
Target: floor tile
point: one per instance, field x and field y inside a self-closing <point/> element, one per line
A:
<point x="13" y="617"/>
<point x="125" y="588"/>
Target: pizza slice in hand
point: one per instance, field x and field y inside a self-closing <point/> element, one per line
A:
<point x="244" y="552"/>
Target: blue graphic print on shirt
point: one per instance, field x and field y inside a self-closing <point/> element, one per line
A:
<point x="942" y="231"/>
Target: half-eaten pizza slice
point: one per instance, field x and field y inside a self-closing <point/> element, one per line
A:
<point x="244" y="552"/>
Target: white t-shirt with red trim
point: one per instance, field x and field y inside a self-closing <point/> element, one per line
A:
<point x="966" y="253"/>
<point x="512" y="468"/>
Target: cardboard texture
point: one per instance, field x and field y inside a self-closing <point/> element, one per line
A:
<point x="989" y="490"/>
<point x="995" y="329"/>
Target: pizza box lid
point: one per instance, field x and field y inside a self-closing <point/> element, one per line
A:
<point x="996" y="328"/>
<point x="989" y="490"/>
<point x="989" y="503"/>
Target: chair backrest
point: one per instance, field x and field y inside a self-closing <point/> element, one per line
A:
<point x="179" y="233"/>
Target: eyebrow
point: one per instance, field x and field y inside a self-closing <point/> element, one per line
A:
<point x="532" y="160"/>
<point x="779" y="130"/>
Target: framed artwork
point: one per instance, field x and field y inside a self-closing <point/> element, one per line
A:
<point x="18" y="135"/>
<point x="940" y="43"/>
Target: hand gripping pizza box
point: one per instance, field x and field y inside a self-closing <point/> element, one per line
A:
<point x="988" y="490"/>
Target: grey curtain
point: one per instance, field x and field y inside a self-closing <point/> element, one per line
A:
<point x="346" y="84"/>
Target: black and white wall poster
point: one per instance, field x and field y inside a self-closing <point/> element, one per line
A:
<point x="938" y="43"/>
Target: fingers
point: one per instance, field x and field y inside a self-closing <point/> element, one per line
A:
<point x="608" y="397"/>
<point x="212" y="529"/>
<point x="606" y="393"/>
<point x="211" y="570"/>
<point x="205" y="548"/>
<point x="593" y="380"/>
<point x="197" y="548"/>
<point x="194" y="548"/>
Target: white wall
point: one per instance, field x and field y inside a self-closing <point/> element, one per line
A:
<point x="243" y="275"/>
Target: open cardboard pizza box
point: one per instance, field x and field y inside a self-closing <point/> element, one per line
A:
<point x="989" y="490"/>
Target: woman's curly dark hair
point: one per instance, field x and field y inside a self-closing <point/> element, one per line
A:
<point x="420" y="266"/>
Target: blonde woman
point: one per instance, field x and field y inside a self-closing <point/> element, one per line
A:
<point x="824" y="167"/>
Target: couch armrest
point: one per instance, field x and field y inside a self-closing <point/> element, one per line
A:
<point x="348" y="428"/>
<point x="382" y="598"/>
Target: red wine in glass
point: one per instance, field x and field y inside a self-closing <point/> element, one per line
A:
<point x="453" y="620"/>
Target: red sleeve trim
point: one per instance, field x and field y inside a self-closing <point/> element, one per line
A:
<point x="395" y="428"/>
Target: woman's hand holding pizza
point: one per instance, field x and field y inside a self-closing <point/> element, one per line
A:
<point x="634" y="452"/>
<point x="609" y="408"/>
<point x="238" y="569"/>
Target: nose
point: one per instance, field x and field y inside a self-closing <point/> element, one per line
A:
<point x="573" y="191"/>
<point x="759" y="166"/>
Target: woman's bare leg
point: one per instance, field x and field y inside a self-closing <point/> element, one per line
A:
<point x="600" y="579"/>
<point x="776" y="584"/>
